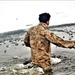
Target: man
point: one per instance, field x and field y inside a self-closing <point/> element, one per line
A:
<point x="39" y="39"/>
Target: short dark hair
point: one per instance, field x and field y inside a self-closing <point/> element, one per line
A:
<point x="44" y="17"/>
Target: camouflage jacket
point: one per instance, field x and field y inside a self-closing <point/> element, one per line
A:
<point x="39" y="39"/>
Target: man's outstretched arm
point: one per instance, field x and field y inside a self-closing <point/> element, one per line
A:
<point x="58" y="40"/>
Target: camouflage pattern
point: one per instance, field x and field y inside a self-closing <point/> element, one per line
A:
<point x="39" y="39"/>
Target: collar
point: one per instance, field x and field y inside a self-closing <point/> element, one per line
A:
<point x="43" y="24"/>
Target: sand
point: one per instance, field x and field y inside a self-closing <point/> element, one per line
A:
<point x="13" y="51"/>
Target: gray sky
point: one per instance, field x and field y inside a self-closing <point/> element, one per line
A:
<point x="16" y="14"/>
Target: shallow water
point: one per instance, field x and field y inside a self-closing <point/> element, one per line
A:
<point x="13" y="51"/>
<point x="20" y="69"/>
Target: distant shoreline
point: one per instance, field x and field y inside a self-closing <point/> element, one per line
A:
<point x="62" y="25"/>
<point x="23" y="30"/>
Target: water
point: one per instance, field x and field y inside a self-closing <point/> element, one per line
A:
<point x="13" y="53"/>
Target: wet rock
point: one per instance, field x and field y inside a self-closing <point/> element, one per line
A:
<point x="27" y="60"/>
<point x="4" y="43"/>
<point x="22" y="40"/>
<point x="23" y="44"/>
<point x="73" y="67"/>
<point x="0" y="44"/>
<point x="3" y="68"/>
<point x="29" y="65"/>
<point x="13" y="42"/>
<point x="7" y="46"/>
<point x="70" y="32"/>
<point x="63" y="36"/>
<point x="65" y="57"/>
<point x="1" y="41"/>
<point x="59" y="56"/>
<point x="7" y="39"/>
<point x="4" y="40"/>
<point x="16" y="44"/>
<point x="17" y="39"/>
<point x="10" y="40"/>
<point x="15" y="57"/>
<point x="66" y="68"/>
<point x="72" y="36"/>
<point x="5" y="51"/>
<point x="53" y="56"/>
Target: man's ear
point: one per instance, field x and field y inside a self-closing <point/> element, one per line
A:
<point x="47" y="22"/>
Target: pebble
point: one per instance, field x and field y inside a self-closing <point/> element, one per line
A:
<point x="5" y="51"/>
<point x="7" y="46"/>
<point x="63" y="36"/>
<point x="27" y="60"/>
<point x="29" y="65"/>
<point x="23" y="44"/>
<point x="15" y="57"/>
<point x="0" y="44"/>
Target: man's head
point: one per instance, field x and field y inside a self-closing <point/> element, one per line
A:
<point x="44" y="17"/>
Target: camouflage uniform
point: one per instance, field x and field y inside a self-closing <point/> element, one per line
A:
<point x="39" y="39"/>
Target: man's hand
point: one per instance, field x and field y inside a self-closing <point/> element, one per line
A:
<point x="74" y="45"/>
